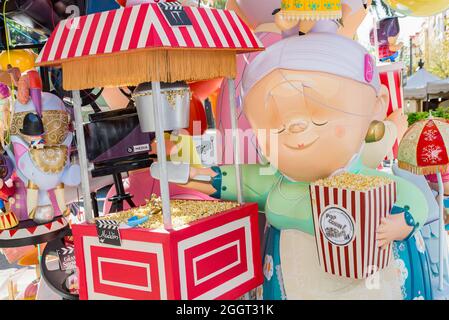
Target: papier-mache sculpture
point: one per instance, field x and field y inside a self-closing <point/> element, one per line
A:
<point x="321" y="98"/>
<point x="41" y="141"/>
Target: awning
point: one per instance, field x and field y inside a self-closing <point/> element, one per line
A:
<point x="440" y="87"/>
<point x="201" y="44"/>
<point x="416" y="87"/>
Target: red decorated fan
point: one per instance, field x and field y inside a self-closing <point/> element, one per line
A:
<point x="424" y="148"/>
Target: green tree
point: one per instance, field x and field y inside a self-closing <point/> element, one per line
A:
<point x="439" y="55"/>
<point x="439" y="61"/>
<point x="220" y="4"/>
<point x="440" y="112"/>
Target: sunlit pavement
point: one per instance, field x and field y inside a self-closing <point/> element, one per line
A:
<point x="21" y="276"/>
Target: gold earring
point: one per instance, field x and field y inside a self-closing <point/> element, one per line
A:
<point x="376" y="131"/>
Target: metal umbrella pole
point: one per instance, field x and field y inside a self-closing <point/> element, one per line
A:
<point x="236" y="139"/>
<point x="442" y="230"/>
<point x="82" y="155"/>
<point x="236" y="144"/>
<point x="161" y="153"/>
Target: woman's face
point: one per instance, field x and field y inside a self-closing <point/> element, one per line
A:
<point x="310" y="124"/>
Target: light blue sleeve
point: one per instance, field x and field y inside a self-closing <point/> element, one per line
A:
<point x="407" y="195"/>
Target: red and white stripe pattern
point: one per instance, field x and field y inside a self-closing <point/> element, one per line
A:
<point x="391" y="77"/>
<point x="361" y="257"/>
<point x="33" y="230"/>
<point x="393" y="81"/>
<point x="8" y="220"/>
<point x="145" y="26"/>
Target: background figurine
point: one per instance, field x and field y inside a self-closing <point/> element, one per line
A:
<point x="41" y="143"/>
<point x="387" y="36"/>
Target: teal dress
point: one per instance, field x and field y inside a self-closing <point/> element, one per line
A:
<point x="411" y="258"/>
<point x="409" y="255"/>
<point x="273" y="286"/>
<point x="281" y="215"/>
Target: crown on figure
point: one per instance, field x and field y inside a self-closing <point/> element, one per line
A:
<point x="311" y="9"/>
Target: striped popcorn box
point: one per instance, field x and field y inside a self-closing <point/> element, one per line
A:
<point x="391" y="76"/>
<point x="347" y="210"/>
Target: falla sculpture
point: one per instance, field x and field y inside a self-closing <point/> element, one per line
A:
<point x="41" y="140"/>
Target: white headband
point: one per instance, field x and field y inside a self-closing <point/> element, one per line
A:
<point x="323" y="52"/>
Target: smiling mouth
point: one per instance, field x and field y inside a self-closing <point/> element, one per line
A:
<point x="302" y="146"/>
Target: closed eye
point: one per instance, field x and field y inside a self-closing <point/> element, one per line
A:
<point x="318" y="124"/>
<point x="279" y="131"/>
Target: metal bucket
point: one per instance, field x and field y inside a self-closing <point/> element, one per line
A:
<point x="175" y="105"/>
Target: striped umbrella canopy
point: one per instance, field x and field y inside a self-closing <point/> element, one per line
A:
<point x="424" y="147"/>
<point x="148" y="42"/>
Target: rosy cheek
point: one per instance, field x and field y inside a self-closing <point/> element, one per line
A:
<point x="340" y="131"/>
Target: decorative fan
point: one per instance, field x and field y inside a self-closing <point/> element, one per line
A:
<point x="88" y="96"/>
<point x="128" y="93"/>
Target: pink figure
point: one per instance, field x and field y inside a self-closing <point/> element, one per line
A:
<point x="13" y="255"/>
<point x="4" y="91"/>
<point x="20" y="204"/>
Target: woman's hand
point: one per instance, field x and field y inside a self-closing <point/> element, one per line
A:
<point x="392" y="228"/>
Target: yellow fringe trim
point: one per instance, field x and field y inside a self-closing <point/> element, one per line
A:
<point x="132" y="68"/>
<point x="423" y="170"/>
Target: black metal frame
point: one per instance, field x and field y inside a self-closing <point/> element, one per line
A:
<point x="56" y="279"/>
<point x="116" y="168"/>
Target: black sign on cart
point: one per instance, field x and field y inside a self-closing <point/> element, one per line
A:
<point x="66" y="257"/>
<point x="108" y="232"/>
<point x="175" y="14"/>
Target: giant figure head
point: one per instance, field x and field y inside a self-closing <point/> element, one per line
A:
<point x="311" y="100"/>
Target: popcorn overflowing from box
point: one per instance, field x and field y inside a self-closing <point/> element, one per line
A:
<point x="347" y="210"/>
<point x="183" y="212"/>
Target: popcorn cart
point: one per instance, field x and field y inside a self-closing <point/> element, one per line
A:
<point x="152" y="45"/>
